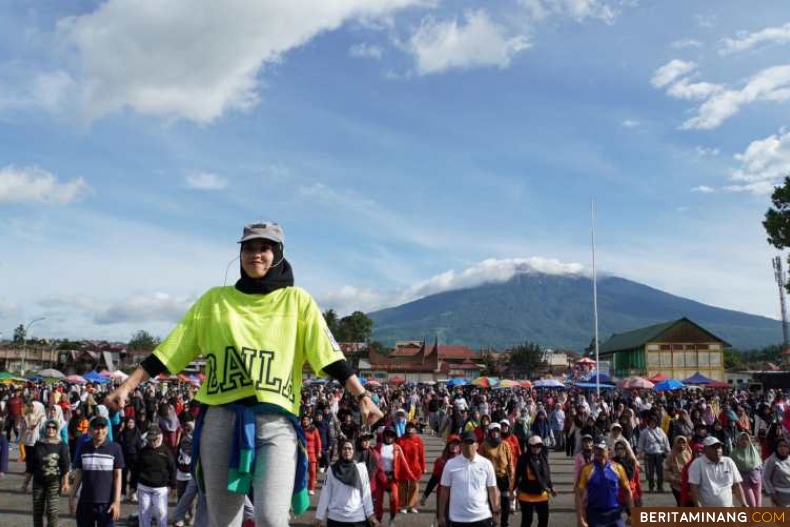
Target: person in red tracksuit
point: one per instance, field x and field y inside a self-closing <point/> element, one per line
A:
<point x="414" y="451"/>
<point x="395" y="470"/>
<point x="313" y="451"/>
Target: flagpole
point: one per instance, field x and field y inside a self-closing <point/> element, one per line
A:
<point x="595" y="303"/>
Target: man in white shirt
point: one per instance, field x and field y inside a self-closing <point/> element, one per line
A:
<point x="469" y="483"/>
<point x="713" y="477"/>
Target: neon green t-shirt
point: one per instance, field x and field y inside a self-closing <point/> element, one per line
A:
<point x="254" y="345"/>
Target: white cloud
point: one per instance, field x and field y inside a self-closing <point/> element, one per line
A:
<point x="686" y="43"/>
<point x="206" y="181"/>
<point x="745" y="40"/>
<point x="364" y="50"/>
<point x="706" y="21"/>
<point x="350" y="298"/>
<point x="52" y="89"/>
<point x="195" y="59"/>
<point x="772" y="84"/>
<point x="32" y="184"/>
<point x="763" y="165"/>
<point x="706" y="152"/>
<point x="139" y="308"/>
<point x="479" y="42"/>
<point x="630" y="123"/>
<point x="704" y="189"/>
<point x="577" y="9"/>
<point x="683" y="89"/>
<point x="670" y="71"/>
<point x="9" y="310"/>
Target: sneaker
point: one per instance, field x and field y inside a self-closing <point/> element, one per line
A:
<point x="404" y="511"/>
<point x="322" y="470"/>
<point x="179" y="524"/>
<point x="414" y="511"/>
<point x="134" y="497"/>
<point x="311" y="492"/>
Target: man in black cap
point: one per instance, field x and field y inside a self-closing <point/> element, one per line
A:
<point x="463" y="479"/>
<point x="98" y="472"/>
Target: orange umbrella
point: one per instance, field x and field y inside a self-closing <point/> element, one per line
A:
<point x="483" y="382"/>
<point x="526" y="384"/>
<point x="658" y="377"/>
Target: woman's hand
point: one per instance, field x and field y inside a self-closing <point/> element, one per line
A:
<point x="117" y="400"/>
<point x="370" y="412"/>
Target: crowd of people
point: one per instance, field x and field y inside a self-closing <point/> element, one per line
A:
<point x="250" y="442"/>
<point x="707" y="447"/>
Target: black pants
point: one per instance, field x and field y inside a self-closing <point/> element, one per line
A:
<point x="333" y="523"/>
<point x="131" y="474"/>
<point x="481" y="523"/>
<point x="527" y="510"/>
<point x="570" y="445"/>
<point x="655" y="470"/>
<point x="677" y="495"/>
<point x="504" y="500"/>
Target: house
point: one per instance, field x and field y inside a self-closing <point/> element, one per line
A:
<point x="416" y="362"/>
<point x="677" y="348"/>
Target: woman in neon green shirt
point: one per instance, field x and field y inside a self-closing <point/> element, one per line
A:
<point x="255" y="337"/>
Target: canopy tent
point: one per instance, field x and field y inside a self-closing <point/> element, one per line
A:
<point x="585" y="360"/>
<point x="719" y="384"/>
<point x="397" y="380"/>
<point x="593" y="386"/>
<point x="51" y="373"/>
<point x="95" y="378"/>
<point x="548" y="383"/>
<point x="603" y="378"/>
<point x="457" y="381"/>
<point x="119" y="375"/>
<point x="698" y="378"/>
<point x="485" y="382"/>
<point x="658" y="377"/>
<point x="76" y="379"/>
<point x="636" y="383"/>
<point x="34" y="378"/>
<point x="668" y="385"/>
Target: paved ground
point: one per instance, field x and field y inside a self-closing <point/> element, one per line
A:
<point x="15" y="507"/>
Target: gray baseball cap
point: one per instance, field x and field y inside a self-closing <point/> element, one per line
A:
<point x="263" y="231"/>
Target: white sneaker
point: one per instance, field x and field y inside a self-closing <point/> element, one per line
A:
<point x="322" y="470"/>
<point x="311" y="492"/>
<point x="414" y="511"/>
<point x="404" y="511"/>
<point x="134" y="497"/>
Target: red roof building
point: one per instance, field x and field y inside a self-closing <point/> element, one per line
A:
<point x="420" y="363"/>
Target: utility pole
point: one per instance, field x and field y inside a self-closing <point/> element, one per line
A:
<point x="24" y="342"/>
<point x="781" y="281"/>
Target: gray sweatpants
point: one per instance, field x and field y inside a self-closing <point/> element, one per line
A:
<point x="275" y="469"/>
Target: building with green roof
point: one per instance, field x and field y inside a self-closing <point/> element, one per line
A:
<point x="678" y="349"/>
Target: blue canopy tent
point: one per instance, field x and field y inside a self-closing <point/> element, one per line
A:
<point x="698" y="378"/>
<point x="457" y="381"/>
<point x="34" y="378"/>
<point x="548" y="383"/>
<point x="95" y="378"/>
<point x="668" y="385"/>
<point x="593" y="386"/>
<point x="604" y="378"/>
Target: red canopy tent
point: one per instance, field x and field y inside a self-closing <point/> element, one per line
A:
<point x="658" y="377"/>
<point x="397" y="380"/>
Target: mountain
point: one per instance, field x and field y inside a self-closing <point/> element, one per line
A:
<point x="557" y="311"/>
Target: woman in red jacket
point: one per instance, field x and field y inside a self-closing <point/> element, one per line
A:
<point x="395" y="470"/>
<point x="451" y="449"/>
<point x="313" y="451"/>
<point x="414" y="451"/>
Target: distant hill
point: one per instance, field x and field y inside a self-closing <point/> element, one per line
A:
<point x="557" y="311"/>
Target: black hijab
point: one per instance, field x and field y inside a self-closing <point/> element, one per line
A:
<point x="346" y="471"/>
<point x="277" y="277"/>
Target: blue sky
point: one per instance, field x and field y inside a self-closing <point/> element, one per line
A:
<point x="406" y="146"/>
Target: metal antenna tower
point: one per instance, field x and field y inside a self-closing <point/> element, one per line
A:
<point x="781" y="280"/>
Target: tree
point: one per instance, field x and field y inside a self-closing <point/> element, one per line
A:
<point x="525" y="358"/>
<point x="19" y="334"/>
<point x="143" y="341"/>
<point x="356" y="327"/>
<point x="490" y="363"/>
<point x="330" y="317"/>
<point x="777" y="218"/>
<point x="732" y="359"/>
